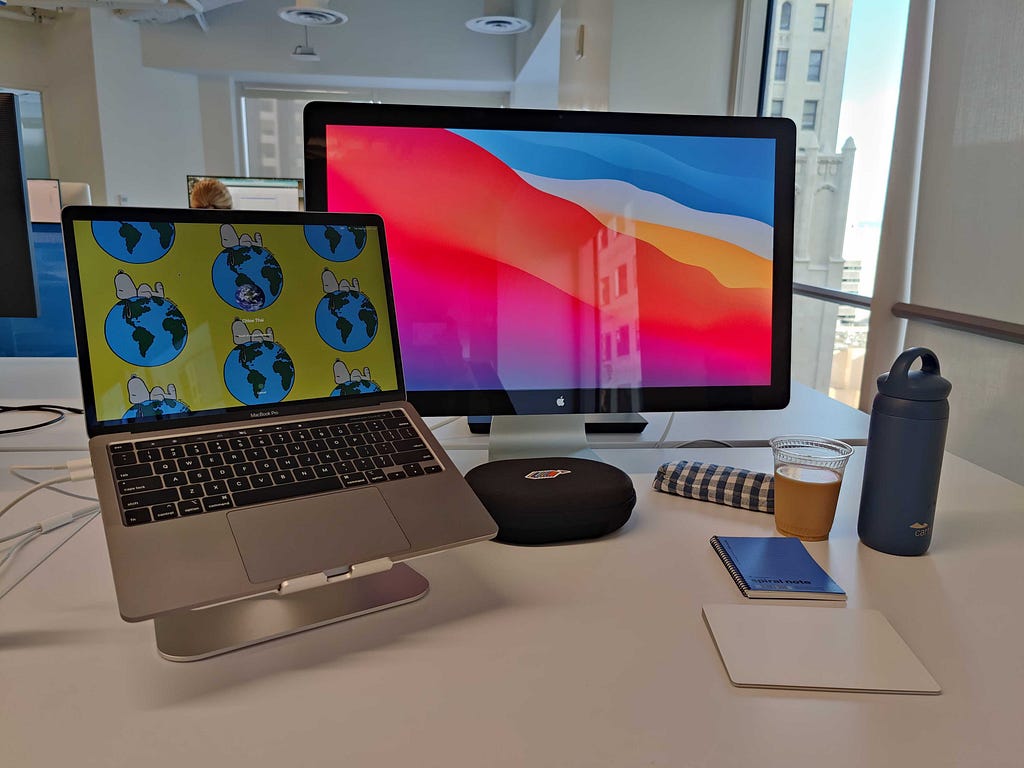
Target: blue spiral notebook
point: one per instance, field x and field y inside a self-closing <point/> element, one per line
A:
<point x="775" y="567"/>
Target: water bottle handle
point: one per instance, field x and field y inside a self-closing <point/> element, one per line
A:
<point x="929" y="362"/>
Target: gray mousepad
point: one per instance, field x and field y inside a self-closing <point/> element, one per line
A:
<point x="302" y="536"/>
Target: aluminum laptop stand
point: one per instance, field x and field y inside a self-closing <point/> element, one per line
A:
<point x="301" y="604"/>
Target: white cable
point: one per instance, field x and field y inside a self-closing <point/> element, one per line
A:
<point x="21" y="476"/>
<point x="668" y="427"/>
<point x="45" y="526"/>
<point x="74" y="474"/>
<point x="11" y="552"/>
<point x="10" y="536"/>
<point x="33" y="489"/>
<point x="75" y="466"/>
<point x="444" y="423"/>
<point x="52" y="523"/>
<point x="63" y="491"/>
<point x="89" y="514"/>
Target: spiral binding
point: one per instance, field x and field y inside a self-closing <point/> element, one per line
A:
<point x="729" y="565"/>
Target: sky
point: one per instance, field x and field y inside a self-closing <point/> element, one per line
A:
<point x="868" y="114"/>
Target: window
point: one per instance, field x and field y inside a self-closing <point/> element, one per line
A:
<point x="621" y="284"/>
<point x="809" y="120"/>
<point x="814" y="66"/>
<point x="776" y="108"/>
<point x="622" y="340"/>
<point x="785" y="15"/>
<point x="820" y="16"/>
<point x="781" y="64"/>
<point x="864" y="60"/>
<point x="271" y="125"/>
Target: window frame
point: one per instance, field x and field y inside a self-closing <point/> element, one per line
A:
<point x="814" y="68"/>
<point x="786" y="16"/>
<point x="814" y="116"/>
<point x="823" y="20"/>
<point x="781" y="63"/>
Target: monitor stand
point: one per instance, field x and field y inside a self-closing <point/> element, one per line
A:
<point x="204" y="632"/>
<point x="527" y="437"/>
<point x="617" y="423"/>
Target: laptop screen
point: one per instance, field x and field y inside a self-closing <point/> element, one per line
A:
<point x="190" y="314"/>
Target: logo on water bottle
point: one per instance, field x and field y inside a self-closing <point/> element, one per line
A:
<point x="920" y="529"/>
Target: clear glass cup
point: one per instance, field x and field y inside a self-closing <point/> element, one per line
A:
<point x="808" y="475"/>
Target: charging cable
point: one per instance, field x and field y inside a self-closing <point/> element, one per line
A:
<point x="79" y="469"/>
<point x="19" y="472"/>
<point x="57" y="411"/>
<point x="44" y="526"/>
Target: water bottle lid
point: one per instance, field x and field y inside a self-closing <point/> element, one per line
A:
<point x="925" y="384"/>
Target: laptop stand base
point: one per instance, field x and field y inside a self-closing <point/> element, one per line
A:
<point x="205" y="632"/>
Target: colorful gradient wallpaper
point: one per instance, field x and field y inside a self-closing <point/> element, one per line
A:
<point x="542" y="260"/>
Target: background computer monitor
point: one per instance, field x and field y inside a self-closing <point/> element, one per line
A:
<point x="584" y="262"/>
<point x="17" y="289"/>
<point x="43" y="201"/>
<point x="75" y="193"/>
<point x="256" y="194"/>
<point x="50" y="333"/>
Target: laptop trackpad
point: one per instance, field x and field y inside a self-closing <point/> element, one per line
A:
<point x="301" y="536"/>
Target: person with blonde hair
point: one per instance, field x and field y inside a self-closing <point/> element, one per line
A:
<point x="209" y="193"/>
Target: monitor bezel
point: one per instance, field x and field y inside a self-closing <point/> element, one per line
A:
<point x="317" y="116"/>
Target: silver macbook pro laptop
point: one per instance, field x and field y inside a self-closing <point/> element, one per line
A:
<point x="245" y="403"/>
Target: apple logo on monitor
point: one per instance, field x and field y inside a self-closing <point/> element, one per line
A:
<point x="560" y="402"/>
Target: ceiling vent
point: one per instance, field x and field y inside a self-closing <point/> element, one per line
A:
<point x="499" y="18"/>
<point x="499" y="25"/>
<point x="312" y="13"/>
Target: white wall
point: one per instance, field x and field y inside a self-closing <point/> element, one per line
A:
<point x="536" y="85"/>
<point x="970" y="223"/>
<point x="20" y="48"/>
<point x="583" y="82"/>
<point x="673" y="56"/>
<point x="218" y="110"/>
<point x="56" y="59"/>
<point x="70" y="109"/>
<point x="151" y="132"/>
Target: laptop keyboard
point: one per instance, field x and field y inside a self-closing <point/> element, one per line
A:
<point x="192" y="474"/>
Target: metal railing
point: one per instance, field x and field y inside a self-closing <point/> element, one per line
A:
<point x="959" y="321"/>
<point x="980" y="326"/>
<point x="831" y="295"/>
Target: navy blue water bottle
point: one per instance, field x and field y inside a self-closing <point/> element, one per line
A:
<point x="906" y="439"/>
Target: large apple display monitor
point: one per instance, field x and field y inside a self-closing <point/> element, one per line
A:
<point x="550" y="262"/>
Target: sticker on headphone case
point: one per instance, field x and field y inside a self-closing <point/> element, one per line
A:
<point x="546" y="474"/>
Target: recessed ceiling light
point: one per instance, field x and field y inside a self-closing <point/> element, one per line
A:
<point x="499" y="25"/>
<point x="311" y="13"/>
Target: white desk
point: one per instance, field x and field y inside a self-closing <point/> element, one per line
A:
<point x="590" y="654"/>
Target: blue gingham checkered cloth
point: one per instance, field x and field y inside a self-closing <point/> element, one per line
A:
<point x="721" y="485"/>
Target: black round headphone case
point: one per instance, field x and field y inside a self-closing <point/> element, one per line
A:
<point x="553" y="499"/>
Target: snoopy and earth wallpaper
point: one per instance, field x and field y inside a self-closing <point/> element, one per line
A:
<point x="192" y="317"/>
